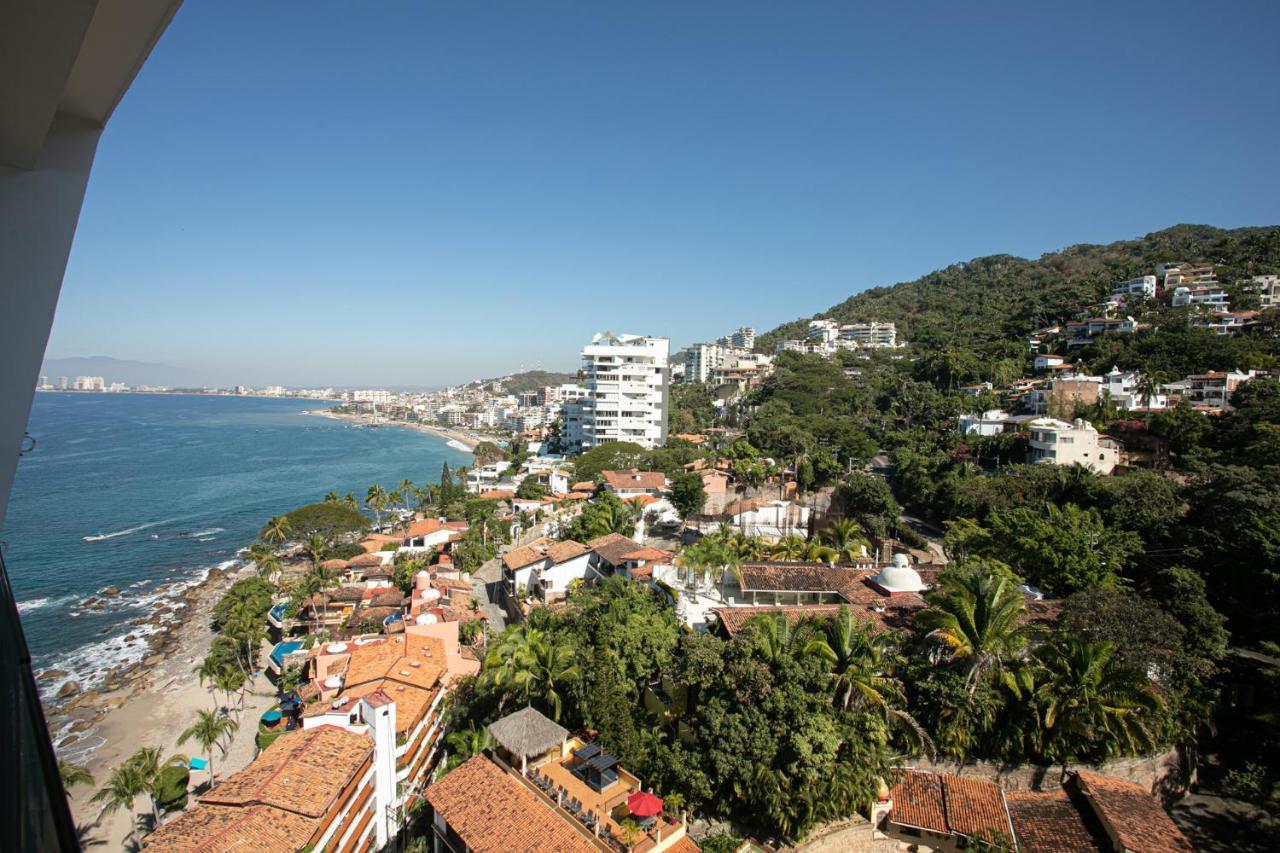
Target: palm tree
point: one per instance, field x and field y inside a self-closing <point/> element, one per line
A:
<point x="137" y="775"/>
<point x="846" y="537"/>
<point x="466" y="743"/>
<point x="775" y="637"/>
<point x="376" y="500"/>
<point x="349" y="500"/>
<point x="790" y="548"/>
<point x="125" y="784"/>
<point x="315" y="549"/>
<point x="1091" y="706"/>
<point x="542" y="670"/>
<point x="408" y="490"/>
<point x="73" y="774"/>
<point x="277" y="530"/>
<point x="209" y="728"/>
<point x="331" y="498"/>
<point x="980" y="619"/>
<point x="862" y="661"/>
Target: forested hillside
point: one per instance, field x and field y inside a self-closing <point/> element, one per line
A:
<point x="990" y="303"/>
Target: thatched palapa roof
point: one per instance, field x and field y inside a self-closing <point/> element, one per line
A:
<point x="527" y="733"/>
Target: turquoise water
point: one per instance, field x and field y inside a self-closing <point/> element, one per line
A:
<point x="179" y="484"/>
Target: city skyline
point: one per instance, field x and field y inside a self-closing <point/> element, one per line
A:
<point x="428" y="196"/>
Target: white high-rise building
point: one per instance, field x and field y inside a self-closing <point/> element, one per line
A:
<point x="626" y="378"/>
<point x="701" y="360"/>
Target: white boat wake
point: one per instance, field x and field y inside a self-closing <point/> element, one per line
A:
<point x="128" y="530"/>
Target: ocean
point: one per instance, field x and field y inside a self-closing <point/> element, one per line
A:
<point x="178" y="484"/>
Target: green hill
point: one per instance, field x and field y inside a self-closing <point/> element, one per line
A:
<point x="989" y="304"/>
<point x="529" y="380"/>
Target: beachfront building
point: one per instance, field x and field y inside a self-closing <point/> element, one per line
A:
<point x="312" y="789"/>
<point x="542" y="789"/>
<point x="937" y="811"/>
<point x="1056" y="442"/>
<point x="626" y="378"/>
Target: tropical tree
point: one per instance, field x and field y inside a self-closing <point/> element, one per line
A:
<point x="790" y="548"/>
<point x="136" y="776"/>
<point x="774" y="636"/>
<point x="73" y="774"/>
<point x="862" y="662"/>
<point x="845" y="536"/>
<point x="376" y="499"/>
<point x="407" y="491"/>
<point x="531" y="666"/>
<point x="208" y="730"/>
<point x="543" y="671"/>
<point x="277" y="530"/>
<point x="979" y="618"/>
<point x="1092" y="707"/>
<point x="464" y="744"/>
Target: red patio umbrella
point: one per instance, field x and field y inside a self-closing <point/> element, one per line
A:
<point x="642" y="804"/>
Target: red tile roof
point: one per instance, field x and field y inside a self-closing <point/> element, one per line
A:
<point x="631" y="480"/>
<point x="734" y="619"/>
<point x="1131" y="815"/>
<point x="493" y="812"/>
<point x="301" y="772"/>
<point x="946" y="804"/>
<point x="1049" y="822"/>
<point x="222" y="829"/>
<point x="613" y="548"/>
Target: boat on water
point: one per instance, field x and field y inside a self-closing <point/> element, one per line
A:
<point x="96" y="537"/>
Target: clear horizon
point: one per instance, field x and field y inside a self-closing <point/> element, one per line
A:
<point x="420" y="197"/>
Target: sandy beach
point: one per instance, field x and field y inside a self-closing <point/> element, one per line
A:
<point x="456" y="437"/>
<point x="150" y="705"/>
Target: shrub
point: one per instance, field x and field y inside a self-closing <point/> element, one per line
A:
<point x="171" y="788"/>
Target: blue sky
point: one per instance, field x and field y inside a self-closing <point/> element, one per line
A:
<point x="419" y="193"/>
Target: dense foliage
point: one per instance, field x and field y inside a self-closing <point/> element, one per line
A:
<point x="329" y="519"/>
<point x="757" y="729"/>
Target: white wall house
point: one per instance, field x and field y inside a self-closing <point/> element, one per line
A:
<point x="1122" y="387"/>
<point x="1214" y="297"/>
<point x="1142" y="287"/>
<point x="870" y="335"/>
<point x="990" y="422"/>
<point x="1057" y="442"/>
<point x="1044" y="362"/>
<point x="626" y="378"/>
<point x="1268" y="289"/>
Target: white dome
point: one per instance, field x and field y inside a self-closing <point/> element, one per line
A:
<point x="333" y="682"/>
<point x="898" y="576"/>
<point x="430" y="594"/>
<point x="425" y="619"/>
<point x="336" y="648"/>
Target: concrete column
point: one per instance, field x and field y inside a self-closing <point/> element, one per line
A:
<point x="39" y="210"/>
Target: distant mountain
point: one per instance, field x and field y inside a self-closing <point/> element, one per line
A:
<point x="991" y="302"/>
<point x="120" y="370"/>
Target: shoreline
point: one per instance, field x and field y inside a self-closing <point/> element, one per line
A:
<point x="145" y="703"/>
<point x="455" y="437"/>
